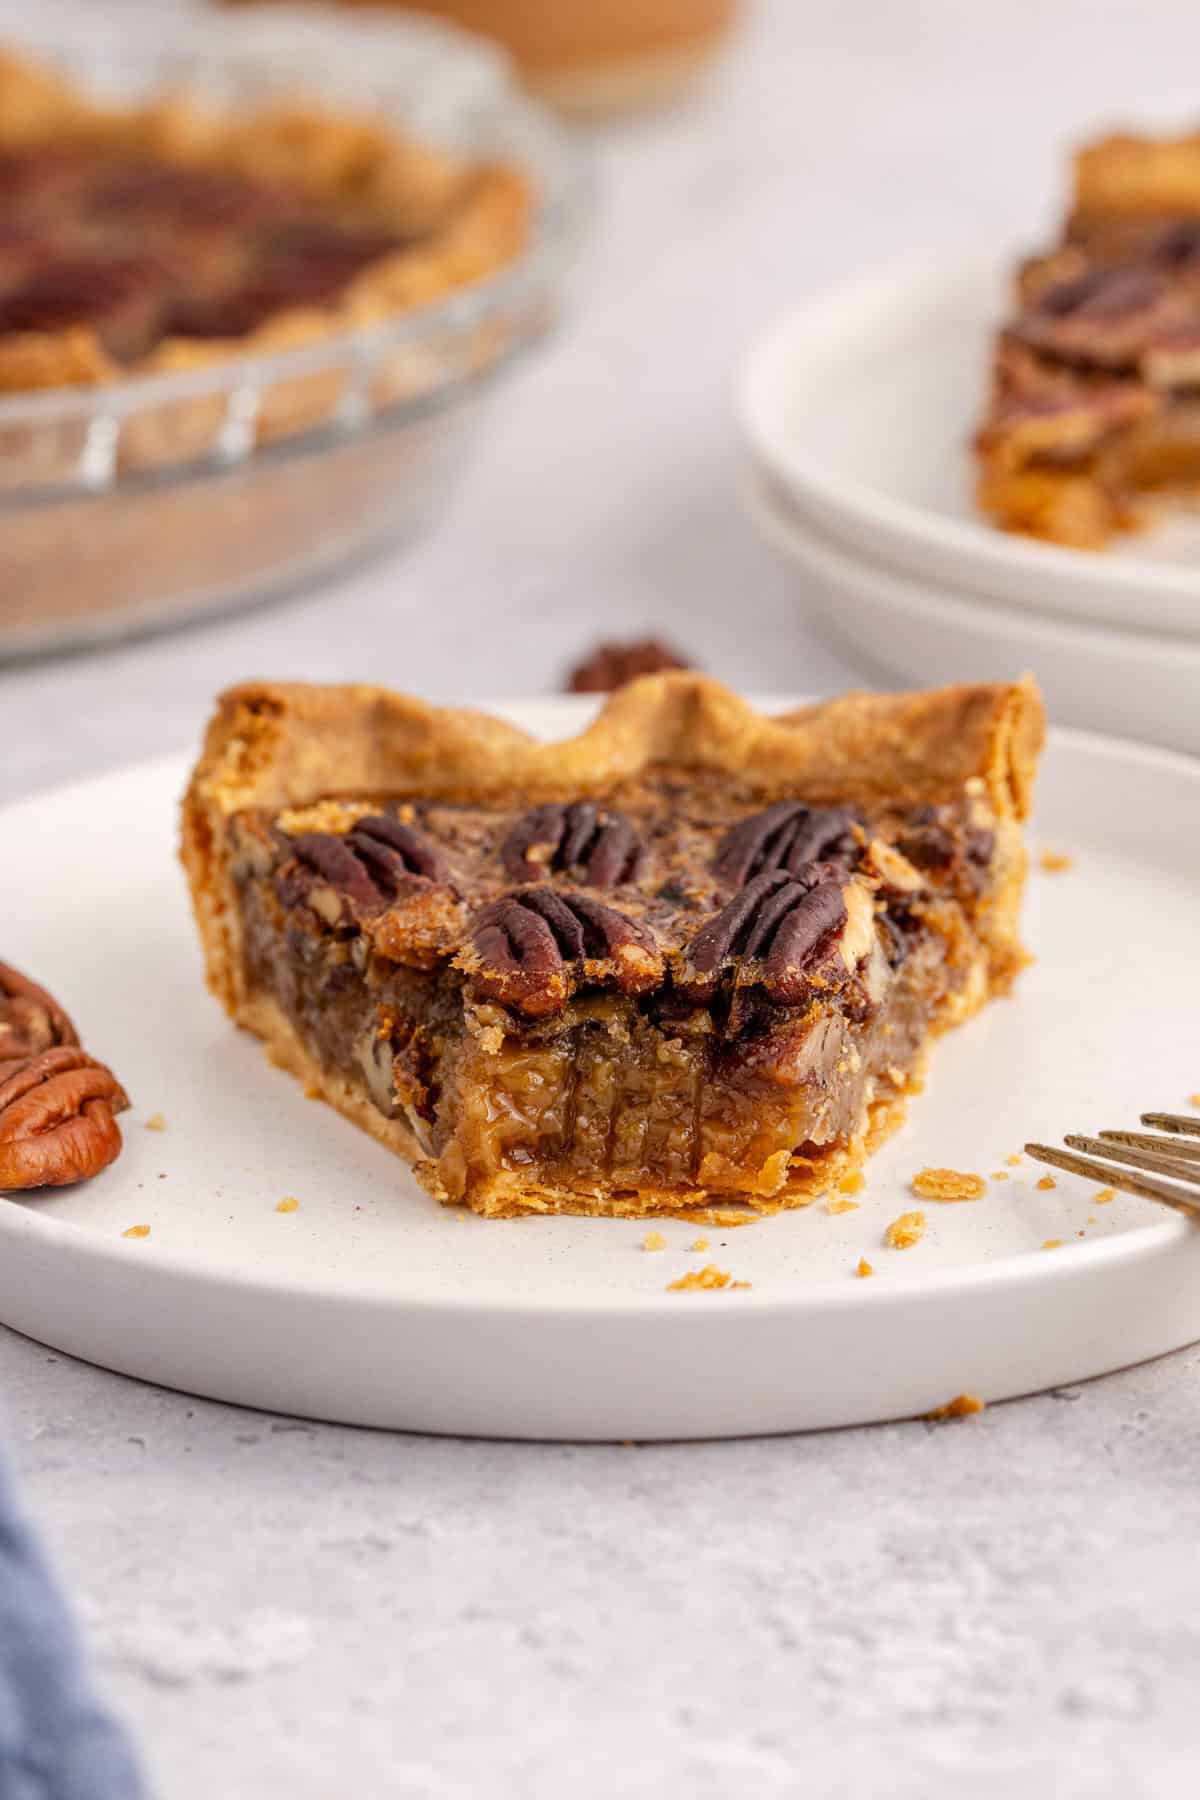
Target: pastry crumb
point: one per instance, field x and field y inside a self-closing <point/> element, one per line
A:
<point x="1052" y="1244"/>
<point x="841" y="1206"/>
<point x="961" y="1407"/>
<point x="853" y="1183"/>
<point x="1104" y="1197"/>
<point x="999" y="1175"/>
<point x="864" y="1268"/>
<point x="1014" y="1161"/>
<point x="707" y="1277"/>
<point x="156" y="1122"/>
<point x="289" y="1203"/>
<point x="905" y="1231"/>
<point x="1047" y="1182"/>
<point x="948" y="1184"/>
<point x="654" y="1240"/>
<point x="1194" y="1099"/>
<point x="136" y="1231"/>
<point x="698" y="1244"/>
<point x="1056" y="862"/>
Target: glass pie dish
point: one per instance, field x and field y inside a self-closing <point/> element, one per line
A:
<point x="156" y="498"/>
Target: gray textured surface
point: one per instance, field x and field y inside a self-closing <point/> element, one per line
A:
<point x="1009" y="1605"/>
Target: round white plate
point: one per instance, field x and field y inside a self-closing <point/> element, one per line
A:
<point x="861" y="405"/>
<point x="1140" y="684"/>
<point x="370" y="1304"/>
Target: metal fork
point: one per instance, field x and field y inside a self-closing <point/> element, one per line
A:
<point x="1171" y="1149"/>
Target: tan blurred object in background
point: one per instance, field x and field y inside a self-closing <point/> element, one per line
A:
<point x="593" y="56"/>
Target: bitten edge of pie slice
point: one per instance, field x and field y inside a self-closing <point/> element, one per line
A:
<point x="721" y="1042"/>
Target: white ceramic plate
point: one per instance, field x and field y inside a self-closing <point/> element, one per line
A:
<point x="1139" y="683"/>
<point x="861" y="406"/>
<point x="370" y="1304"/>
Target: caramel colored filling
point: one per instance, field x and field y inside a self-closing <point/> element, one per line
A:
<point x="617" y="1094"/>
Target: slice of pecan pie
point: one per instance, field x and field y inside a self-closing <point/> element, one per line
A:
<point x="692" y="953"/>
<point x="1095" y="403"/>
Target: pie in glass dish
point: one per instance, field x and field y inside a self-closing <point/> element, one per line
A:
<point x="169" y="236"/>
<point x="1094" y="415"/>
<point x="693" y="954"/>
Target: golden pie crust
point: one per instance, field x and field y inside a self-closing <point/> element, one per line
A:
<point x="307" y="758"/>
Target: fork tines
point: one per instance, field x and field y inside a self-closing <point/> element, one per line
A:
<point x="1171" y="1163"/>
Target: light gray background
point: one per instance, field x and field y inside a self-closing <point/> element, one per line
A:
<point x="1008" y="1605"/>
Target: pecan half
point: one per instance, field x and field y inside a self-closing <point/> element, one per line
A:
<point x="31" y="1020"/>
<point x="775" y="933"/>
<point x="600" y="848"/>
<point x="371" y="863"/>
<point x="56" y="1119"/>
<point x="785" y="837"/>
<point x="531" y="950"/>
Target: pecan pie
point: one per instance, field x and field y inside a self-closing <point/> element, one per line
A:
<point x="692" y="953"/>
<point x="167" y="237"/>
<point x="1095" y="402"/>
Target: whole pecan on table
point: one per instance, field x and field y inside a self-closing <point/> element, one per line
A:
<point x="31" y="1020"/>
<point x="609" y="666"/>
<point x="57" y="1103"/>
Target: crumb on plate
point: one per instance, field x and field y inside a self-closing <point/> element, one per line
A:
<point x="707" y="1277"/>
<point x="136" y="1231"/>
<point x="156" y="1122"/>
<point x="1052" y="1244"/>
<point x="289" y="1203"/>
<point x="698" y="1244"/>
<point x="961" y="1407"/>
<point x="999" y="1175"/>
<point x="654" y="1240"/>
<point x="1014" y="1161"/>
<point x="1047" y="1182"/>
<point x="905" y="1231"/>
<point x="1056" y="862"/>
<point x="1104" y="1197"/>
<point x="948" y="1184"/>
<point x="864" y="1268"/>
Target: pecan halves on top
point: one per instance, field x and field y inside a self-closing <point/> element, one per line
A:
<point x="597" y="847"/>
<point x="531" y="950"/>
<point x="786" y="837"/>
<point x="56" y="1119"/>
<point x="775" y="932"/>
<point x="372" y="863"/>
<point x="31" y="1020"/>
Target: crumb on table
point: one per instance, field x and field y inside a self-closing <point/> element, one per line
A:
<point x="905" y="1231"/>
<point x="289" y="1203"/>
<point x="948" y="1184"/>
<point x="1056" y="862"/>
<point x="864" y="1268"/>
<point x="156" y="1122"/>
<point x="136" y="1231"/>
<point x="961" y="1407"/>
<point x="654" y="1240"/>
<point x="707" y="1277"/>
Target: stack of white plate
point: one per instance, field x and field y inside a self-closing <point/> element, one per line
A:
<point x="857" y="412"/>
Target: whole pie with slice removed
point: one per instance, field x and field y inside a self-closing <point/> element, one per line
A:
<point x="694" y="954"/>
